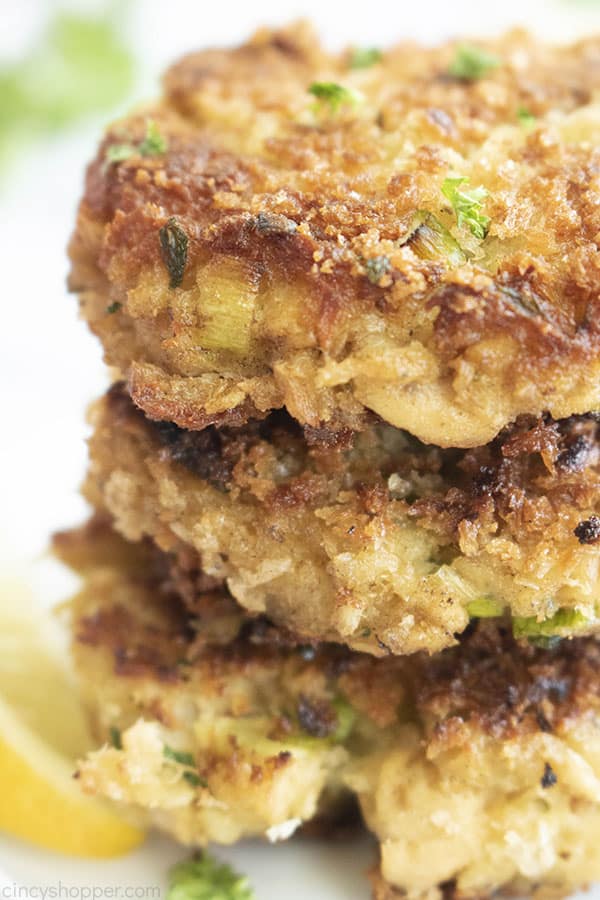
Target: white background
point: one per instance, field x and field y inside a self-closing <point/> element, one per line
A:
<point x="50" y="367"/>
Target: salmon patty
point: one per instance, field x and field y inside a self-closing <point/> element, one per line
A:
<point x="476" y="769"/>
<point x="413" y="233"/>
<point x="371" y="538"/>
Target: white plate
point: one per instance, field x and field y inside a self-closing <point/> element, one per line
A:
<point x="50" y="368"/>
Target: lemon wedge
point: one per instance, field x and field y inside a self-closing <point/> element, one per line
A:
<point x="43" y="730"/>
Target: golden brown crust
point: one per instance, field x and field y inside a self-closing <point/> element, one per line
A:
<point x="368" y="538"/>
<point x="477" y="768"/>
<point x="288" y="214"/>
<point x="490" y="682"/>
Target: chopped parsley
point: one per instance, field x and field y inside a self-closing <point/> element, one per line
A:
<point x="154" y="144"/>
<point x="174" y="250"/>
<point x="485" y="608"/>
<point x="179" y="756"/>
<point x="205" y="878"/>
<point x="467" y="205"/>
<point x="333" y="96"/>
<point x="182" y="758"/>
<point x="194" y="779"/>
<point x="115" y="738"/>
<point x="526" y="118"/>
<point x="364" y="57"/>
<point x="377" y="267"/>
<point x="113" y="308"/>
<point x="116" y="153"/>
<point x="471" y="63"/>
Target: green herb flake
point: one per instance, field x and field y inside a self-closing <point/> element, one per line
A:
<point x="182" y="758"/>
<point x="333" y="96"/>
<point x="485" y="608"/>
<point x="179" y="756"/>
<point x="205" y="878"/>
<point x="365" y="57"/>
<point x="472" y="63"/>
<point x="194" y="779"/>
<point x="113" y="308"/>
<point x="570" y="620"/>
<point x="346" y="719"/>
<point x="174" y="250"/>
<point x="467" y="205"/>
<point x="116" y="153"/>
<point x="154" y="144"/>
<point x="377" y="267"/>
<point x="526" y="118"/>
<point x="115" y="738"/>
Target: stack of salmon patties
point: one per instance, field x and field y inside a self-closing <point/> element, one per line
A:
<point x="346" y="482"/>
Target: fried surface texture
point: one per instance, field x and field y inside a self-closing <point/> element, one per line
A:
<point x="477" y="769"/>
<point x="371" y="539"/>
<point x="286" y="250"/>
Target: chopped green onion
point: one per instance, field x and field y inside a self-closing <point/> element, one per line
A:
<point x="485" y="608"/>
<point x="571" y="620"/>
<point x="429" y="239"/>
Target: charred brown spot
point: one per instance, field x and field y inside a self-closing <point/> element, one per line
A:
<point x="549" y="778"/>
<point x="317" y="717"/>
<point x="588" y="531"/>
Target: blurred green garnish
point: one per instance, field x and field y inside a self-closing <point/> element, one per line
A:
<point x="80" y="65"/>
<point x="205" y="878"/>
<point x="153" y="145"/>
<point x="467" y="205"/>
<point x="333" y="97"/>
<point x="526" y="118"/>
<point x="364" y="57"/>
<point x="471" y="63"/>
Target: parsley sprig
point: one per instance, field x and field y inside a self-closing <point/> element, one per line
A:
<point x="467" y="205"/>
<point x="333" y="96"/>
<point x="205" y="878"/>
<point x="153" y="144"/>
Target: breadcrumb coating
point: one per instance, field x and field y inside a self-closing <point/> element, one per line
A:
<point x="477" y="769"/>
<point x="371" y="538"/>
<point x="297" y="250"/>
